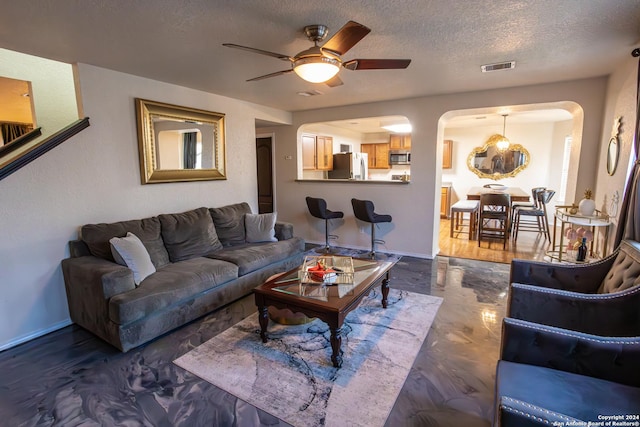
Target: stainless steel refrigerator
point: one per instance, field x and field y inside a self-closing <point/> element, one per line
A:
<point x="349" y="166"/>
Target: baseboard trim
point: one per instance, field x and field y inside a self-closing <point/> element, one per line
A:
<point x="35" y="335"/>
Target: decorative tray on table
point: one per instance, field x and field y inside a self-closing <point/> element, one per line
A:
<point x="570" y="213"/>
<point x="327" y="270"/>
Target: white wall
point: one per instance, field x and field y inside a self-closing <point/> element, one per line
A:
<point x="94" y="177"/>
<point x="415" y="207"/>
<point x="620" y="102"/>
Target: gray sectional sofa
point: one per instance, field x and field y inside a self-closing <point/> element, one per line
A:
<point x="203" y="259"/>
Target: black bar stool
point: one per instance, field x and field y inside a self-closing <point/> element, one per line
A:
<point x="363" y="210"/>
<point x="318" y="208"/>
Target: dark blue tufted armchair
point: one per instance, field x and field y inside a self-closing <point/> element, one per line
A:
<point x="570" y="351"/>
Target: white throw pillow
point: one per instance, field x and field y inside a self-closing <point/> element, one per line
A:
<point x="130" y="251"/>
<point x="260" y="227"/>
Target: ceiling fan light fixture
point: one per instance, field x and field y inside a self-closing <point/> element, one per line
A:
<point x="316" y="69"/>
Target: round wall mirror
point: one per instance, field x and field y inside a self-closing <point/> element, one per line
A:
<point x="490" y="162"/>
<point x="613" y="151"/>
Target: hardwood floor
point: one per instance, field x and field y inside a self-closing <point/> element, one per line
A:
<point x="529" y="245"/>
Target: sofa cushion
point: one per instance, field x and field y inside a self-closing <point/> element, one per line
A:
<point x="189" y="234"/>
<point x="229" y="222"/>
<point x="253" y="256"/>
<point x="169" y="286"/>
<point x="576" y="396"/>
<point x="129" y="251"/>
<point x="260" y="227"/>
<point x="97" y="237"/>
<point x="625" y="271"/>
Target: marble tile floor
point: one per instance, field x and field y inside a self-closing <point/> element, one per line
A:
<point x="71" y="378"/>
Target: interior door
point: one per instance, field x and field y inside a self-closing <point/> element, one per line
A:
<point x="264" y="162"/>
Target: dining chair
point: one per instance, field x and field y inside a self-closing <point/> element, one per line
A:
<point x="494" y="217"/>
<point x="540" y="222"/>
<point x="534" y="199"/>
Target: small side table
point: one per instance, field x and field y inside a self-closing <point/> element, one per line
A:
<point x="597" y="222"/>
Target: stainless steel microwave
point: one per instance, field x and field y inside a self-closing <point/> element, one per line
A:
<point x="399" y="157"/>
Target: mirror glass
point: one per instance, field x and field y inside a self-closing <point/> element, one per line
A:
<point x="490" y="162"/>
<point x="179" y="143"/>
<point x="612" y="155"/>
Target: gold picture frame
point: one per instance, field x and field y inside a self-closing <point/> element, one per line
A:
<point x="178" y="143"/>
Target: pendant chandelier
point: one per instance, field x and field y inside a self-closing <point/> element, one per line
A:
<point x="503" y="144"/>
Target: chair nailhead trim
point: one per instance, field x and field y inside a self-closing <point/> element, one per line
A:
<point x="578" y="295"/>
<point x="530" y="406"/>
<point x="586" y="338"/>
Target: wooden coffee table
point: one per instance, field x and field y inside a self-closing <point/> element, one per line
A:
<point x="329" y="303"/>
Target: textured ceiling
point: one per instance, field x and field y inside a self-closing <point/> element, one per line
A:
<point x="181" y="42"/>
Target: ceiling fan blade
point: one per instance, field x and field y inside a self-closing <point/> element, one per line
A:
<point x="266" y="76"/>
<point x="334" y="81"/>
<point x="376" y="64"/>
<point x="260" y="51"/>
<point x="347" y="37"/>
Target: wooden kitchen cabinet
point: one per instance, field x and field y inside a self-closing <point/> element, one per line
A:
<point x="400" y="142"/>
<point x="382" y="156"/>
<point x="445" y="202"/>
<point x="370" y="150"/>
<point x="308" y="152"/>
<point x="324" y="153"/>
<point x="377" y="154"/>
<point x="447" y="154"/>
<point x="317" y="152"/>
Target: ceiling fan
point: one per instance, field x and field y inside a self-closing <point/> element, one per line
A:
<point x="320" y="64"/>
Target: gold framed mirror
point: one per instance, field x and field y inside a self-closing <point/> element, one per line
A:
<point x="613" y="153"/>
<point x="490" y="162"/>
<point x="613" y="149"/>
<point x="179" y="143"/>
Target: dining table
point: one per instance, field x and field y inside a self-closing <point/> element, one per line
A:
<point x="517" y="194"/>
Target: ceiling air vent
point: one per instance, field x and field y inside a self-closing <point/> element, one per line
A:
<point x="499" y="66"/>
<point x="310" y="93"/>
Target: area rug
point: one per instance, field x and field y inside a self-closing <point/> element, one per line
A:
<point x="292" y="378"/>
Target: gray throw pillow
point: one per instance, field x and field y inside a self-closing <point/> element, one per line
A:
<point x="229" y="223"/>
<point x="97" y="237"/>
<point x="260" y="227"/>
<point x="189" y="234"/>
<point x="130" y="252"/>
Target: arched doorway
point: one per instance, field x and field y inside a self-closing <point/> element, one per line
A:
<point x="552" y="132"/>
